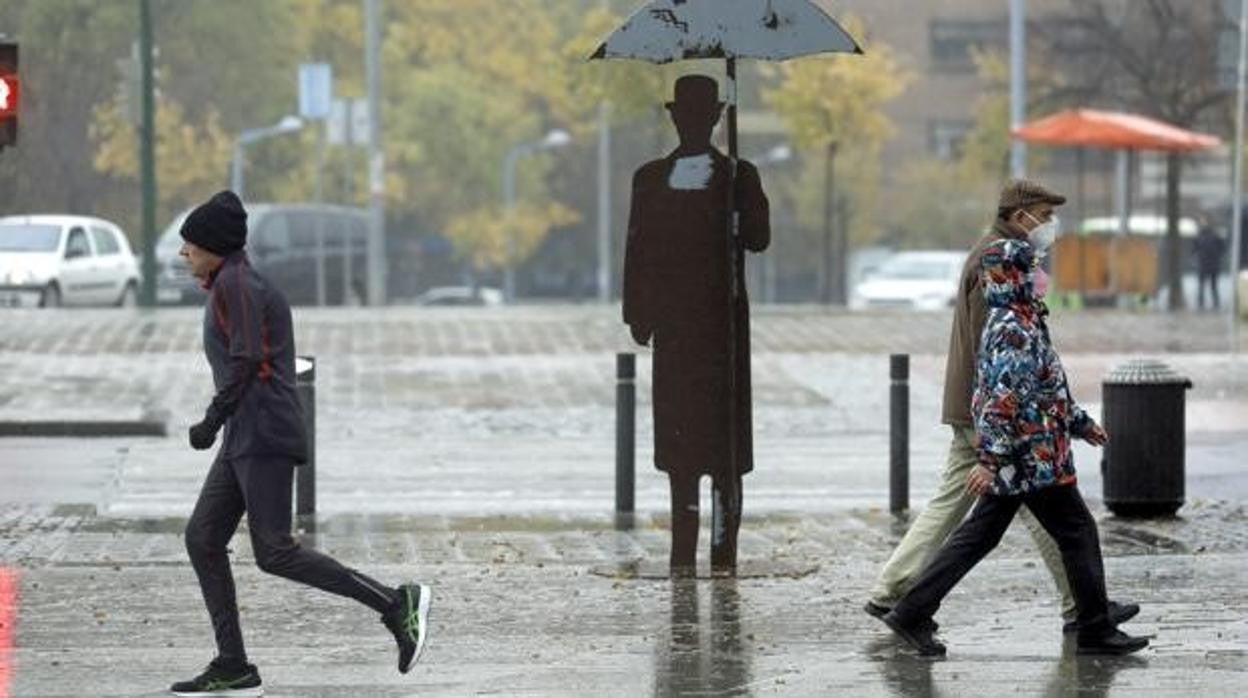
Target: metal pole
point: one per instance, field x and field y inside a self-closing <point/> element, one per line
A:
<point x="318" y="197"/>
<point x="842" y="252"/>
<point x="376" y="160"/>
<point x="829" y="216"/>
<point x="148" y="155"/>
<point x="771" y="265"/>
<point x="724" y="554"/>
<point x="604" y="202"/>
<point x="1122" y="196"/>
<point x="305" y="483"/>
<point x="899" y="433"/>
<point x="348" y="199"/>
<point x="1018" y="84"/>
<point x="1237" y="196"/>
<point x="1173" y="244"/>
<point x="236" y="170"/>
<point x="625" y="438"/>
<point x="509" y="207"/>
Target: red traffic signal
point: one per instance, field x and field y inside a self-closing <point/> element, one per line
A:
<point x="10" y="93"/>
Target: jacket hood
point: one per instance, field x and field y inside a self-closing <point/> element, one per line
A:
<point x="1007" y="268"/>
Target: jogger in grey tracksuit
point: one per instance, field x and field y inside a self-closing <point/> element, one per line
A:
<point x="249" y="343"/>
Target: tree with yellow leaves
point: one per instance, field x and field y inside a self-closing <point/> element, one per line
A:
<point x="191" y="159"/>
<point x="834" y="106"/>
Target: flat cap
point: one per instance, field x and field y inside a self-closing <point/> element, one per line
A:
<point x="1019" y="193"/>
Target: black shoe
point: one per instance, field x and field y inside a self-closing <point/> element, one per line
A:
<point x="1118" y="614"/>
<point x="220" y="680"/>
<point x="1114" y="642"/>
<point x="918" y="636"/>
<point x="877" y="610"/>
<point x="408" y="619"/>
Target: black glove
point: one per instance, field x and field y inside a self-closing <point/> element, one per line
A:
<point x="202" y="436"/>
<point x="641" y="334"/>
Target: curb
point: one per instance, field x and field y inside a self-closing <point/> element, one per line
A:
<point x="83" y="429"/>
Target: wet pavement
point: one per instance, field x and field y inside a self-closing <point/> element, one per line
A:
<point x="474" y="450"/>
<point x="111" y="604"/>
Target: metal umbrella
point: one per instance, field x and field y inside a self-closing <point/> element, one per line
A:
<point x="663" y="31"/>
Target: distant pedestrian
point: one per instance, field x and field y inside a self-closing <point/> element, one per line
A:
<point x="1025" y="211"/>
<point x="250" y="346"/>
<point x="1210" y="251"/>
<point x="1025" y="419"/>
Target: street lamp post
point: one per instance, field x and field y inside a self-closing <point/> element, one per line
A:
<point x="779" y="154"/>
<point x="555" y="139"/>
<point x="286" y="125"/>
<point x="1018" y="84"/>
<point x="1237" y="166"/>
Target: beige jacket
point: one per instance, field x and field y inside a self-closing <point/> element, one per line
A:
<point x="970" y="311"/>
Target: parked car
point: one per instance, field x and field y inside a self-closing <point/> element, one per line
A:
<point x="282" y="244"/>
<point x="911" y="280"/>
<point x="461" y="296"/>
<point x="54" y="260"/>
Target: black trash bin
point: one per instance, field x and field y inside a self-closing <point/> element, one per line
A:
<point x="1143" y="464"/>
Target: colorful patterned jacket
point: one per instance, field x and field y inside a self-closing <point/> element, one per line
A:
<point x="1024" y="413"/>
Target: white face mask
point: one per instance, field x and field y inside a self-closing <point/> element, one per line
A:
<point x="1043" y="235"/>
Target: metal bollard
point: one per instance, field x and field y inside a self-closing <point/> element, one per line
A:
<point x="625" y="439"/>
<point x="899" y="433"/>
<point x="305" y="478"/>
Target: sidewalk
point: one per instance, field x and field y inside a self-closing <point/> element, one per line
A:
<point x="475" y="450"/>
<point x="112" y="604"/>
<point x="513" y="411"/>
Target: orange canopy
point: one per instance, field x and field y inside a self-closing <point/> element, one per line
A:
<point x="1109" y="129"/>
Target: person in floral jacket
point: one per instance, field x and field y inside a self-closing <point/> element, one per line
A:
<point x="1024" y="414"/>
<point x="1025" y="418"/>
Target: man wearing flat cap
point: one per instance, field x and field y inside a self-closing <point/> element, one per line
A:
<point x="1025" y="211"/>
<point x="678" y="281"/>
<point x="250" y="346"/>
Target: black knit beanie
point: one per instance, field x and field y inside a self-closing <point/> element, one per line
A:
<point x="218" y="225"/>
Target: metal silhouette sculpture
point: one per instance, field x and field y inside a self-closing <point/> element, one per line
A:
<point x="679" y="277"/>
<point x="662" y="31"/>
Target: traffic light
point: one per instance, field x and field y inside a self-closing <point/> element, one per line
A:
<point x="10" y="91"/>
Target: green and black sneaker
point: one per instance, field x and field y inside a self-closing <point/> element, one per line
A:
<point x="408" y="619"/>
<point x="220" y="680"/>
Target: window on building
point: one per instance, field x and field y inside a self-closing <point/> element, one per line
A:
<point x="946" y="138"/>
<point x="954" y="41"/>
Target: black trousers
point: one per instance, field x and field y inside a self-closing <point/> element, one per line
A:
<point x="1062" y="513"/>
<point x="1211" y="278"/>
<point x="262" y="489"/>
<point x="726" y="521"/>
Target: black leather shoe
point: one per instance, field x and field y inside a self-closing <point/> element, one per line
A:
<point x="1119" y="613"/>
<point x="919" y="635"/>
<point x="1115" y="642"/>
<point x="876" y="610"/>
